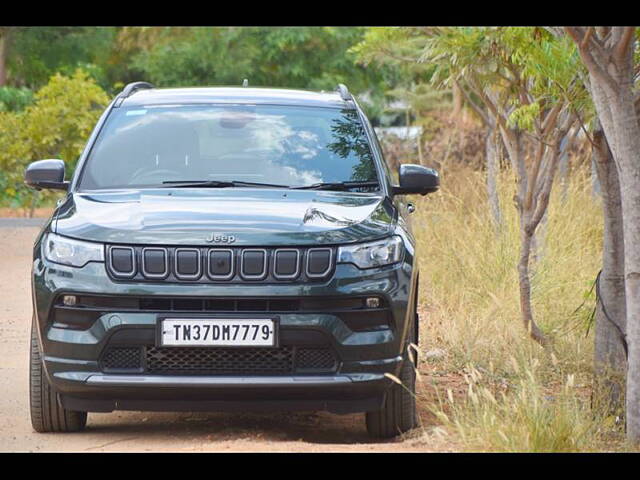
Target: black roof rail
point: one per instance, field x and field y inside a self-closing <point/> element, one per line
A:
<point x="344" y="92"/>
<point x="129" y="89"/>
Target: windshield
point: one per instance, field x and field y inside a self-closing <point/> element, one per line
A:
<point x="279" y="145"/>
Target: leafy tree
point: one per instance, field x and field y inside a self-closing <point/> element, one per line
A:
<point x="526" y="81"/>
<point x="294" y="57"/>
<point x="33" y="54"/>
<point x="56" y="125"/>
<point x="398" y="50"/>
<point x="204" y="56"/>
<point x="129" y="42"/>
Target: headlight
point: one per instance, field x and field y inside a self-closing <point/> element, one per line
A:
<point x="71" y="252"/>
<point x="372" y="254"/>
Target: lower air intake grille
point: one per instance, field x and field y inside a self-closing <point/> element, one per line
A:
<point x="285" y="360"/>
<point x="220" y="361"/>
<point x="315" y="359"/>
<point x="122" y="358"/>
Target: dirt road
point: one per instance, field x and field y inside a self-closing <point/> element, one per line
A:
<point x="143" y="431"/>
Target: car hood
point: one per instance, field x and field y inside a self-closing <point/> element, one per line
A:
<point x="252" y="216"/>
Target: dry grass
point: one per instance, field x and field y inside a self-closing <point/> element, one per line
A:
<point x="514" y="396"/>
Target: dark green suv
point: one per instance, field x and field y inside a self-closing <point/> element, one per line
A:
<point x="227" y="249"/>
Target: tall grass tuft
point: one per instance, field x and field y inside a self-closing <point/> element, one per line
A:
<point x="470" y="309"/>
<point x="527" y="419"/>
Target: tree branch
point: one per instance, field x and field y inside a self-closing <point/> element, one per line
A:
<point x="587" y="36"/>
<point x="587" y="56"/>
<point x="542" y="200"/>
<point x="550" y="120"/>
<point x="474" y="106"/>
<point x="621" y="48"/>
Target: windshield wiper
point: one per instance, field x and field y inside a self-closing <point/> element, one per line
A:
<point x="217" y="184"/>
<point x="337" y="185"/>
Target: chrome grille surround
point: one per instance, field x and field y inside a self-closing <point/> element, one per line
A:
<point x="159" y="276"/>
<point x="265" y="263"/>
<point x="326" y="272"/>
<point x="182" y="276"/>
<point x="275" y="256"/>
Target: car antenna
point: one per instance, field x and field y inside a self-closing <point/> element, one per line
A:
<point x="245" y="83"/>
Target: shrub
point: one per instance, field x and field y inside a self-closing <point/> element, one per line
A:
<point x="56" y="125"/>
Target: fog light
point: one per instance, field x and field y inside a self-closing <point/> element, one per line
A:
<point x="69" y="300"/>
<point x="372" y="302"/>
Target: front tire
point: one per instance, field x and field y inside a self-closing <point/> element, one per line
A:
<point x="47" y="414"/>
<point x="399" y="412"/>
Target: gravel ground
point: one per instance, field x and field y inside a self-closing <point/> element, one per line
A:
<point x="146" y="431"/>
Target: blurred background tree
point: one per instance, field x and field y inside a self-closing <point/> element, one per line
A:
<point x="56" y="125"/>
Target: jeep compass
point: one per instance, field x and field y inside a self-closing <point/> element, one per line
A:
<point x="227" y="249"/>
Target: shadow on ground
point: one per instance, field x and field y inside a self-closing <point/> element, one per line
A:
<point x="319" y="428"/>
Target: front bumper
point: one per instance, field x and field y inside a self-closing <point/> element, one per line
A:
<point x="72" y="356"/>
<point x="336" y="393"/>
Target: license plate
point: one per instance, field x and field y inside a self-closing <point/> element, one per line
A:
<point x="227" y="332"/>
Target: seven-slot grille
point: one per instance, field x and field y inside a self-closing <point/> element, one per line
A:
<point x="218" y="361"/>
<point x="219" y="265"/>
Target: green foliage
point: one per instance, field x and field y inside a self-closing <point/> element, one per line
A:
<point x="526" y="68"/>
<point x="524" y="116"/>
<point x="56" y="125"/>
<point x="297" y="57"/>
<point x="551" y="64"/>
<point x="316" y="58"/>
<point x="399" y="47"/>
<point x="399" y="50"/>
<point x="421" y="97"/>
<point x="207" y="56"/>
<point x="36" y="53"/>
<point x="14" y="99"/>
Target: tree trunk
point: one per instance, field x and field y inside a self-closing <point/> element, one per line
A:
<point x="567" y="140"/>
<point x="513" y="143"/>
<point x="457" y="102"/>
<point x="492" y="146"/>
<point x="610" y="345"/>
<point x="596" y="190"/>
<point x="538" y="239"/>
<point x="525" y="288"/>
<point x="615" y="108"/>
<point x="3" y="57"/>
<point x="628" y="146"/>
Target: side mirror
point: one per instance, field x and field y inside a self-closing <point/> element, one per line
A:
<point x="416" y="179"/>
<point x="46" y="174"/>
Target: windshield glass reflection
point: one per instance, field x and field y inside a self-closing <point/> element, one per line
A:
<point x="284" y="145"/>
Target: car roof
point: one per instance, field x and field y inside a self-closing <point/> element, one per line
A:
<point x="236" y="95"/>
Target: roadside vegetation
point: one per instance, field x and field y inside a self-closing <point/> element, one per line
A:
<point x="535" y="132"/>
<point x="488" y="385"/>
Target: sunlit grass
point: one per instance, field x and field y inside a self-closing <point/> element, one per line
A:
<point x="470" y="304"/>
